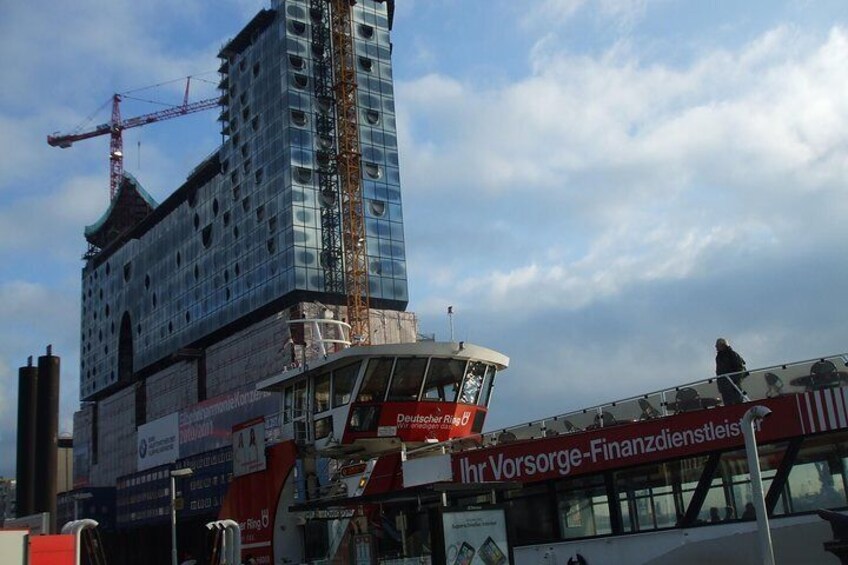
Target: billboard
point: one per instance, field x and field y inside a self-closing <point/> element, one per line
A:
<point x="476" y="537"/>
<point x="157" y="443"/>
<point x="249" y="447"/>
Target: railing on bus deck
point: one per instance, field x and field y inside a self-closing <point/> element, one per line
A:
<point x="770" y="382"/>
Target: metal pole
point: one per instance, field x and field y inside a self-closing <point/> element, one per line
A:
<point x="185" y="472"/>
<point x="758" y="413"/>
<point x="174" y="520"/>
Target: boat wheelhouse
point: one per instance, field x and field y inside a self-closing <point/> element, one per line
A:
<point x="361" y="401"/>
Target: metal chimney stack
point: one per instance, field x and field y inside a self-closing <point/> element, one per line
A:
<point x="27" y="421"/>
<point x="47" y="436"/>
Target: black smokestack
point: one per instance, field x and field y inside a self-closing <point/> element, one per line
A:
<point x="27" y="393"/>
<point x="47" y="436"/>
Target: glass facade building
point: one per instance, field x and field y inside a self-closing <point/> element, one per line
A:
<point x="248" y="232"/>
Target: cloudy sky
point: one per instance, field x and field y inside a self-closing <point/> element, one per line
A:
<point x="599" y="188"/>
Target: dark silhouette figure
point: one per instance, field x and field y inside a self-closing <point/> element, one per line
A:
<point x="731" y="364"/>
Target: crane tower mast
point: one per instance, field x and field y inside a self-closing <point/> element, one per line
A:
<point x="349" y="162"/>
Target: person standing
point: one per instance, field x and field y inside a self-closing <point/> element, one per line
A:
<point x="727" y="362"/>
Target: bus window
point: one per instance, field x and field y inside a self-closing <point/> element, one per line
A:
<point x="321" y="393"/>
<point x="583" y="507"/>
<point x="376" y="379"/>
<point x="473" y="382"/>
<point x="443" y="379"/>
<point x="406" y="379"/>
<point x="344" y="380"/>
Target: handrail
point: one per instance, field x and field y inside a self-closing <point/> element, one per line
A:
<point x="766" y="382"/>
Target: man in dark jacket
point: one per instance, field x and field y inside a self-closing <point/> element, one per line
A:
<point x="728" y="361"/>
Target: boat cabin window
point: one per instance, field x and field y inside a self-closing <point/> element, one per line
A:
<point x="443" y="379"/>
<point x="323" y="427"/>
<point x="407" y="379"/>
<point x="531" y="520"/>
<point x="344" y="380"/>
<point x="583" y="507"/>
<point x="730" y="496"/>
<point x="816" y="479"/>
<point x="376" y="380"/>
<point x="486" y="390"/>
<point x="294" y="401"/>
<point x="321" y="393"/>
<point x="652" y="497"/>
<point x="288" y="404"/>
<point x="473" y="382"/>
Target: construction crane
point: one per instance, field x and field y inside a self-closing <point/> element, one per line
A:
<point x="117" y="125"/>
<point x="349" y="163"/>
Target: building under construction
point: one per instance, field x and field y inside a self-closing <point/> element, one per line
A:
<point x="296" y="215"/>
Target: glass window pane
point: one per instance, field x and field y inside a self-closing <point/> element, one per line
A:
<point x="288" y="404"/>
<point x="583" y="508"/>
<point x="651" y="496"/>
<point x="406" y="380"/>
<point x="730" y="495"/>
<point x="443" y="379"/>
<point x="376" y="380"/>
<point x="323" y="427"/>
<point x="344" y="380"/>
<point x="321" y="393"/>
<point x="531" y="515"/>
<point x="816" y="479"/>
<point x="473" y="382"/>
<point x="486" y="391"/>
<point x="299" y="399"/>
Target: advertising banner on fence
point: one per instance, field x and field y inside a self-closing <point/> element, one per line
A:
<point x="249" y="447"/>
<point x="158" y="442"/>
<point x="643" y="442"/>
<point x="476" y="536"/>
<point x="209" y="424"/>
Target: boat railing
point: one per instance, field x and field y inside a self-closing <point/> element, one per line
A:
<point x="769" y="382"/>
<point x="328" y="335"/>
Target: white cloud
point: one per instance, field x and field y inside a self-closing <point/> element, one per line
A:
<point x="660" y="171"/>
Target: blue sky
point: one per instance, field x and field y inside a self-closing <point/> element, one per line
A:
<point x="600" y="188"/>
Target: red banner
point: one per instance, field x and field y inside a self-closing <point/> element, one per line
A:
<point x="625" y="445"/>
<point x="421" y="421"/>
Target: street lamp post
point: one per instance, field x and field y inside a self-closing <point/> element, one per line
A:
<point x="174" y="474"/>
<point x="764" y="533"/>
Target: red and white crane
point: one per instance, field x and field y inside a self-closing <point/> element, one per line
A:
<point x="117" y="125"/>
